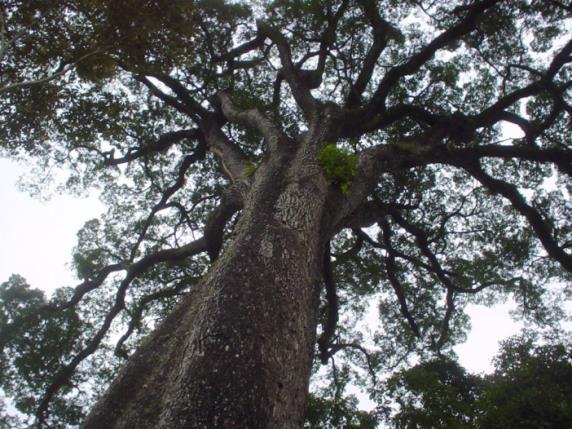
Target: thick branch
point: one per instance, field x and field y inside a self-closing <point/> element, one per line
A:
<point x="534" y="218"/>
<point x="166" y="98"/>
<point x="301" y="93"/>
<point x="245" y="48"/>
<point x="380" y="28"/>
<point x="360" y="118"/>
<point x="89" y="285"/>
<point x="253" y="118"/>
<point x="465" y="26"/>
<point x="494" y="113"/>
<point x="182" y="94"/>
<point x="231" y="157"/>
<point x="232" y="202"/>
<point x="560" y="157"/>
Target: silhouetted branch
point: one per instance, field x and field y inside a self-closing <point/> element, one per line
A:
<point x="188" y="160"/>
<point x="164" y="142"/>
<point x="64" y="374"/>
<point x="332" y="304"/>
<point x="534" y="218"/>
<point x="137" y="312"/>
<point x="380" y="29"/>
<point x="342" y="346"/>
<point x="391" y="269"/>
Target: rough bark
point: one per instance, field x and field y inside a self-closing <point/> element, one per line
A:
<point x="237" y="352"/>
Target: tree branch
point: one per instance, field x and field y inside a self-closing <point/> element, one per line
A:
<point x="361" y="117"/>
<point x="168" y="193"/>
<point x="64" y="374"/>
<point x="534" y="218"/>
<point x="62" y="69"/>
<point x="232" y="159"/>
<point x="182" y="94"/>
<point x="164" y="141"/>
<point x="300" y="91"/>
<point x="166" y="98"/>
<point x="380" y="29"/>
<point x="232" y="202"/>
<point x="329" y="327"/>
<point x="253" y="118"/>
<point x="137" y="313"/>
<point x="391" y="270"/>
<point x="342" y="346"/>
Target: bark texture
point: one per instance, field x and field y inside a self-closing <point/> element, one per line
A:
<point x="237" y="352"/>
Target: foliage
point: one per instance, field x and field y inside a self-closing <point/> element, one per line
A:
<point x="530" y="387"/>
<point x="127" y="98"/>
<point x="326" y="413"/>
<point x="34" y="343"/>
<point x="339" y="166"/>
<point x="437" y="393"/>
<point x="250" y="169"/>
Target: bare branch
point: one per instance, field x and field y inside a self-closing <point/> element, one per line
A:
<point x="342" y="346"/>
<point x="62" y="69"/>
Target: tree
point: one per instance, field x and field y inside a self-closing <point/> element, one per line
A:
<point x="433" y="394"/>
<point x="530" y="388"/>
<point x="270" y="170"/>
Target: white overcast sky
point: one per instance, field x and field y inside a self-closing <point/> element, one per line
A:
<point x="37" y="237"/>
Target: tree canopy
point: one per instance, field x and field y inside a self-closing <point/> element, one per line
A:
<point x="176" y="111"/>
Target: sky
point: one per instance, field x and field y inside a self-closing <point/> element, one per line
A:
<point x="37" y="238"/>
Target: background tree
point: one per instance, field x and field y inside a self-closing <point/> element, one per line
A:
<point x="529" y="388"/>
<point x="273" y="171"/>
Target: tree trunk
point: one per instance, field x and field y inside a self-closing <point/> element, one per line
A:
<point x="237" y="352"/>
